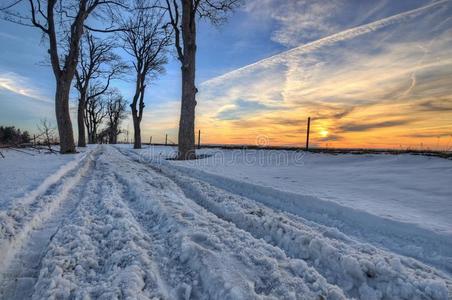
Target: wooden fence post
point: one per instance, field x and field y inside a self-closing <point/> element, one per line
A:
<point x="199" y="139"/>
<point x="307" y="134"/>
<point x="166" y="140"/>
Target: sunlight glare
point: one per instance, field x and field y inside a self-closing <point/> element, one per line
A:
<point x="323" y="133"/>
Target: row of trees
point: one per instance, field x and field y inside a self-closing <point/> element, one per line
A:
<point x="108" y="109"/>
<point x="145" y="29"/>
<point x="10" y="135"/>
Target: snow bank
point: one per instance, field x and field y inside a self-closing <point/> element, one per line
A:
<point x="403" y="238"/>
<point x="222" y="261"/>
<point x="353" y="193"/>
<point x="23" y="176"/>
<point x="360" y="270"/>
<point x="408" y="188"/>
<point x="24" y="214"/>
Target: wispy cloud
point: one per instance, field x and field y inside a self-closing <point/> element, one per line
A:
<point x="9" y="36"/>
<point x="297" y="21"/>
<point x="329" y="40"/>
<point x="435" y="105"/>
<point x="241" y="108"/>
<point x="391" y="78"/>
<point x="20" y="85"/>
<point x="356" y="127"/>
<point x="355" y="85"/>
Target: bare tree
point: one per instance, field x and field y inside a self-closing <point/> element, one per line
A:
<point x="62" y="23"/>
<point x="95" y="112"/>
<point x="116" y="112"/>
<point x="183" y="15"/>
<point x="97" y="61"/>
<point x="47" y="132"/>
<point x="146" y="41"/>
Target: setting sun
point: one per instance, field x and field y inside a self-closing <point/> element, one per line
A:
<point x="323" y="133"/>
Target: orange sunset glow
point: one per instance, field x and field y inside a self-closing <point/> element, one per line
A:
<point x="379" y="85"/>
<point x="380" y="78"/>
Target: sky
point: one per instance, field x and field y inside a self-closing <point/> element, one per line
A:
<point x="370" y="74"/>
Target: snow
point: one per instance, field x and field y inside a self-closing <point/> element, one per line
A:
<point x="21" y="173"/>
<point x="21" y="215"/>
<point x="360" y="270"/>
<point x="118" y="223"/>
<point x="272" y="177"/>
<point x="407" y="188"/>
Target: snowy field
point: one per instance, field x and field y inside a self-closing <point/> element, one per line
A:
<point x="21" y="172"/>
<point x="115" y="223"/>
<point x="407" y="188"/>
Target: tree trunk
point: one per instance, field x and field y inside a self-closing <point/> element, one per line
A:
<point x="64" y="76"/>
<point x="110" y="137"/>
<point x="137" y="114"/>
<point x="136" y="130"/>
<point x="81" y="121"/>
<point x="114" y="133"/>
<point x="63" y="117"/>
<point x="186" y="141"/>
<point x="94" y="137"/>
<point x="90" y="134"/>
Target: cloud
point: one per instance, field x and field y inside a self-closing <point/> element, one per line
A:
<point x="10" y="36"/>
<point x="331" y="112"/>
<point x="435" y="105"/>
<point x="429" y="135"/>
<point x="25" y="115"/>
<point x="329" y="40"/>
<point x="359" y="85"/>
<point x="298" y="21"/>
<point x="302" y="21"/>
<point x="20" y="85"/>
<point x="242" y="108"/>
<point x="343" y="113"/>
<point x="331" y="138"/>
<point x="290" y="122"/>
<point x="356" y="127"/>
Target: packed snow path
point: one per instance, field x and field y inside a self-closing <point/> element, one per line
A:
<point x="113" y="227"/>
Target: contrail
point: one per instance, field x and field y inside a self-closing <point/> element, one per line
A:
<point x="329" y="40"/>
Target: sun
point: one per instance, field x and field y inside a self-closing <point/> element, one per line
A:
<point x="323" y="133"/>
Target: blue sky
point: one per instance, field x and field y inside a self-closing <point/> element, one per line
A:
<point x="359" y="68"/>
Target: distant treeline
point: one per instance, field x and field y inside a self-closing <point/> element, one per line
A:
<point x="10" y="135"/>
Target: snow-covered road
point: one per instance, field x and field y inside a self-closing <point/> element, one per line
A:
<point x="115" y="226"/>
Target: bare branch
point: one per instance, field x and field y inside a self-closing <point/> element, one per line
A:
<point x="146" y="41"/>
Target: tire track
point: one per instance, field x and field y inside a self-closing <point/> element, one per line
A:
<point x="103" y="252"/>
<point x="223" y="262"/>
<point x="406" y="239"/>
<point x="26" y="228"/>
<point x="359" y="269"/>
